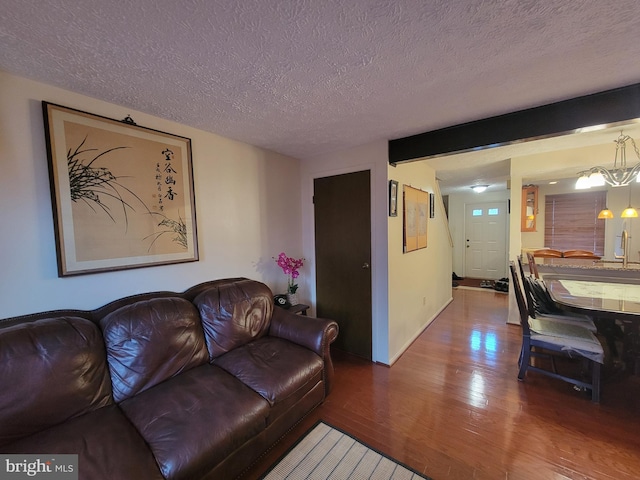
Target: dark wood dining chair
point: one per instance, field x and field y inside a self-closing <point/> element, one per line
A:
<point x="547" y="253"/>
<point x="586" y="254"/>
<point x="533" y="268"/>
<point x="541" y="305"/>
<point x="545" y="338"/>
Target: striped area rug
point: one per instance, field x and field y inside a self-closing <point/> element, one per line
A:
<point x="325" y="452"/>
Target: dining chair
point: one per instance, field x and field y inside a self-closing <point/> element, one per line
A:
<point x="540" y="304"/>
<point x="546" y="338"/>
<point x="533" y="268"/>
<point x="586" y="254"/>
<point x="547" y="253"/>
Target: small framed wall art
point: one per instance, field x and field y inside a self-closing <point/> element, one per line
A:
<point x="393" y="198"/>
<point x="122" y="194"/>
<point x="432" y="205"/>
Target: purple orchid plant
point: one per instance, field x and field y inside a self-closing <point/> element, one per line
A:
<point x="290" y="268"/>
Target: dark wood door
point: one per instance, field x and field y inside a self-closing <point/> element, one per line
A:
<point x="342" y="207"/>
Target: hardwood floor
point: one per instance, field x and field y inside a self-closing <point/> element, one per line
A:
<point x="452" y="407"/>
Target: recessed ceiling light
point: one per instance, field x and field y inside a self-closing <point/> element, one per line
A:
<point x="553" y="182"/>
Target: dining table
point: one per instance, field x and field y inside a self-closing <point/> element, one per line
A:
<point x="605" y="298"/>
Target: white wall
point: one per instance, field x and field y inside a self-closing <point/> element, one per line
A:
<point x="617" y="201"/>
<point x="515" y="237"/>
<point x="247" y="205"/>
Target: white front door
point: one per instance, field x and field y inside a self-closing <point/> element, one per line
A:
<point x="486" y="240"/>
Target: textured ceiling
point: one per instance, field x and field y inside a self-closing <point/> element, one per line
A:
<point x="307" y="77"/>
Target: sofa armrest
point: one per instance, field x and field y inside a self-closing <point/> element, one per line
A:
<point x="316" y="334"/>
<point x="313" y="333"/>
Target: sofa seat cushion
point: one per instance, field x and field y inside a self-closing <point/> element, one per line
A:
<point x="194" y="420"/>
<point x="107" y="445"/>
<point x="280" y="371"/>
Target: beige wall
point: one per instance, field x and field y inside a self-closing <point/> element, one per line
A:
<point x="408" y="290"/>
<point x="372" y="157"/>
<point x="247" y="205"/>
<point x="250" y="204"/>
<point x="419" y="281"/>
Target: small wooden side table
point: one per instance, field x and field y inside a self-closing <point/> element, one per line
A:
<point x="299" y="308"/>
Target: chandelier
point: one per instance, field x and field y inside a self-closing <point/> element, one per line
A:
<point x="619" y="176"/>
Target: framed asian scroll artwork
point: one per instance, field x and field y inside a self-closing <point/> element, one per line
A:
<point x="416" y="212"/>
<point x="122" y="194"/>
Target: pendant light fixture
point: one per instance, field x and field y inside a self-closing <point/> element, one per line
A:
<point x="605" y="214"/>
<point x="618" y="176"/>
<point x="628" y="212"/>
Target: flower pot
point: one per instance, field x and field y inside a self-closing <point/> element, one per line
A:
<point x="293" y="298"/>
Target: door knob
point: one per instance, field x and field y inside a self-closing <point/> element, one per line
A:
<point x="365" y="265"/>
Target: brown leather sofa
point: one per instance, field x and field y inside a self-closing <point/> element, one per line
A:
<point x="163" y="385"/>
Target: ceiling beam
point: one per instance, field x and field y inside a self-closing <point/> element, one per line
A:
<point x="603" y="108"/>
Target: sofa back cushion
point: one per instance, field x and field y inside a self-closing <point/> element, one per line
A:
<point x="53" y="369"/>
<point x="150" y="341"/>
<point x="234" y="314"/>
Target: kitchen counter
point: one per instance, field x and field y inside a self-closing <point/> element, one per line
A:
<point x="581" y="267"/>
